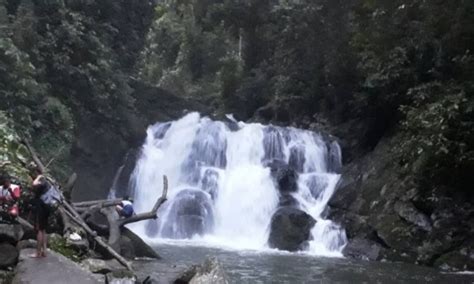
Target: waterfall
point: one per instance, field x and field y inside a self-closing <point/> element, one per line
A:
<point x="221" y="189"/>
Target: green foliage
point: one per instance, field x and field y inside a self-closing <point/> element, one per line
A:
<point x="63" y="61"/>
<point x="13" y="155"/>
<point x="439" y="134"/>
<point x="59" y="245"/>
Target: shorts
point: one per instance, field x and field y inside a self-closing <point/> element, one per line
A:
<point x="127" y="211"/>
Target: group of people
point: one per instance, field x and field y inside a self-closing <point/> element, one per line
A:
<point x="45" y="198"/>
<point x="39" y="205"/>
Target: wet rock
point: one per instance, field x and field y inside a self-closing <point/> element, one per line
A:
<point x="334" y="158"/>
<point x="11" y="233"/>
<point x="26" y="244"/>
<point x="210" y="272"/>
<point x="286" y="178"/>
<point x="409" y="213"/>
<point x="122" y="276"/>
<point x="190" y="214"/>
<point x="287" y="200"/>
<point x="290" y="228"/>
<point x="127" y="248"/>
<point x="362" y="249"/>
<point x="297" y="158"/>
<point x="140" y="248"/>
<point x="460" y="259"/>
<point x="209" y="182"/>
<point x="8" y="255"/>
<point x="101" y="266"/>
<point x="121" y="186"/>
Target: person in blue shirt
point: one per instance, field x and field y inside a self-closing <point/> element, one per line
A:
<point x="125" y="208"/>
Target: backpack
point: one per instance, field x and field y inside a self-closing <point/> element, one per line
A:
<point x="51" y="197"/>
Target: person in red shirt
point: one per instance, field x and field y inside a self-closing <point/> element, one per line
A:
<point x="9" y="196"/>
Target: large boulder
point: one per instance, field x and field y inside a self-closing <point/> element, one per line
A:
<point x="8" y="255"/>
<point x="210" y="272"/>
<point x="55" y="268"/>
<point x="132" y="246"/>
<point x="290" y="229"/>
<point x="190" y="214"/>
<point x="11" y="233"/>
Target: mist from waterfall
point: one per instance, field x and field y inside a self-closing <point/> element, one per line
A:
<point x="221" y="190"/>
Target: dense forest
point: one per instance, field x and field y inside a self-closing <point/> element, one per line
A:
<point x="387" y="72"/>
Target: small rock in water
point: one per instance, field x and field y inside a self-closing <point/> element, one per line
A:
<point x="122" y="276"/>
<point x="362" y="249"/>
<point x="210" y="272"/>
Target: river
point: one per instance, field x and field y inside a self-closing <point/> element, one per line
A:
<point x="245" y="266"/>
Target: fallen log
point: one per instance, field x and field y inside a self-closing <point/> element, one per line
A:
<point x="25" y="223"/>
<point x="103" y="202"/>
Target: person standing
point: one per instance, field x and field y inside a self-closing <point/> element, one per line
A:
<point x="41" y="212"/>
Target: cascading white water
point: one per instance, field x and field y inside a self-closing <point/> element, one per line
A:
<point x="221" y="189"/>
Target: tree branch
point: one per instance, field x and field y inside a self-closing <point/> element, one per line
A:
<point x="98" y="203"/>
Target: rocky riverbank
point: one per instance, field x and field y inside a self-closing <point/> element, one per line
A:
<point x="388" y="215"/>
<point x="72" y="261"/>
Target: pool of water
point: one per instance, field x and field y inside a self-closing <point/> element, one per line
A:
<point x="280" y="267"/>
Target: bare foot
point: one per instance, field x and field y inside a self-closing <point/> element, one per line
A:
<point x="35" y="255"/>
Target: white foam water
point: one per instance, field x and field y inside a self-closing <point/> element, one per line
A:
<point x="221" y="190"/>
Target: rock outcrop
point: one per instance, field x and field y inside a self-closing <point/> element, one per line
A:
<point x="388" y="215"/>
<point x="54" y="268"/>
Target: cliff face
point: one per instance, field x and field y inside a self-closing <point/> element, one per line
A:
<point x="389" y="215"/>
<point x="100" y="149"/>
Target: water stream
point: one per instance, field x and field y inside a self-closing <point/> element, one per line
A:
<point x="243" y="266"/>
<point x="222" y="191"/>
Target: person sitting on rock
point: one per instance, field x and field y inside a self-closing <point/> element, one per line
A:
<point x="125" y="208"/>
<point x="9" y="196"/>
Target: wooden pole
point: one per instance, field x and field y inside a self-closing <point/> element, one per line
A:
<point x="100" y="203"/>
